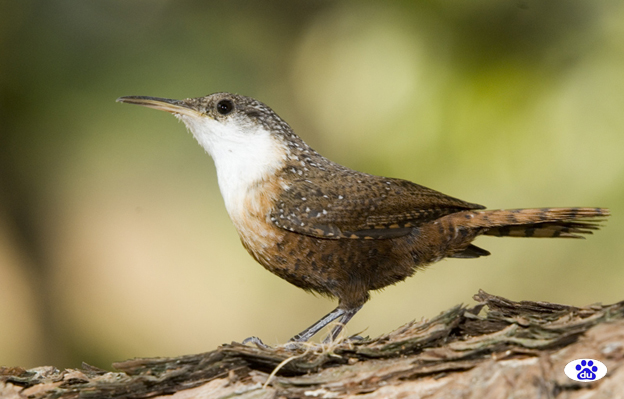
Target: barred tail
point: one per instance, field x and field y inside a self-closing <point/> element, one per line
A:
<point x="538" y="222"/>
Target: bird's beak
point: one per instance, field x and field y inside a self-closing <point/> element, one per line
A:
<point x="179" y="107"/>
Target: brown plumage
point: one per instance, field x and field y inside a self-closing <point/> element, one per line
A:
<point x="332" y="230"/>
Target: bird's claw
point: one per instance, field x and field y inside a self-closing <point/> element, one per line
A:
<point x="256" y="341"/>
<point x="355" y="338"/>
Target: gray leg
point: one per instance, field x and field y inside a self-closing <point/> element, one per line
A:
<point x="306" y="334"/>
<point x="344" y="319"/>
<point x="344" y="314"/>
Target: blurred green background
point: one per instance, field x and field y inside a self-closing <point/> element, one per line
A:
<point x="114" y="241"/>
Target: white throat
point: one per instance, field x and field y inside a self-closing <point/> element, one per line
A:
<point x="244" y="156"/>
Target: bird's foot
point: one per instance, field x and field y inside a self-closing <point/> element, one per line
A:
<point x="295" y="345"/>
<point x="256" y="341"/>
<point x="355" y="338"/>
<point x="291" y="345"/>
<point x="347" y="340"/>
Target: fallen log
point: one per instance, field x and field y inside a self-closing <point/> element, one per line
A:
<point x="496" y="349"/>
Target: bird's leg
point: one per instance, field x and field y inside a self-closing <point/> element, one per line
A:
<point x="314" y="328"/>
<point x="344" y="314"/>
<point x="344" y="319"/>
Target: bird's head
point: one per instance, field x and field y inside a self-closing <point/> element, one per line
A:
<point x="246" y="139"/>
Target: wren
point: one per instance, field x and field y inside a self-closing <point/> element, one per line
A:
<point x="329" y="229"/>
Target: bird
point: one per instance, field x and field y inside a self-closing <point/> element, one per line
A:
<point x="332" y="230"/>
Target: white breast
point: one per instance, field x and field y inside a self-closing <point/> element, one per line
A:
<point x="245" y="155"/>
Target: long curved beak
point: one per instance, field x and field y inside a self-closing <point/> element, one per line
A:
<point x="179" y="107"/>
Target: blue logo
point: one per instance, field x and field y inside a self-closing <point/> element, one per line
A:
<point x="585" y="370"/>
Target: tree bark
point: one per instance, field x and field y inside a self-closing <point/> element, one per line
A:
<point x="496" y="349"/>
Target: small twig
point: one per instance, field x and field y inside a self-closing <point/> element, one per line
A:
<point x="285" y="362"/>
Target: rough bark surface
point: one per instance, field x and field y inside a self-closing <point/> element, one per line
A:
<point x="496" y="349"/>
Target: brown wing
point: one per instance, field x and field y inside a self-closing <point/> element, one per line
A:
<point x="360" y="206"/>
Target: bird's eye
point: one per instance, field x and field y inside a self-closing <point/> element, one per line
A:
<point x="224" y="107"/>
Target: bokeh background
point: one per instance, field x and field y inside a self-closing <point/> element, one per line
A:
<point x="114" y="241"/>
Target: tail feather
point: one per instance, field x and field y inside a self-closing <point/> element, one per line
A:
<point x="538" y="222"/>
<point x="471" y="251"/>
<point x="549" y="229"/>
